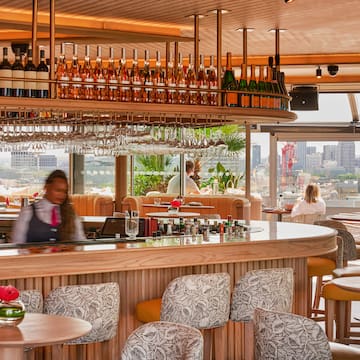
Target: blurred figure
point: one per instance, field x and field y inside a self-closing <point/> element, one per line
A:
<point x="190" y="185"/>
<point x="52" y="218"/>
<point x="311" y="204"/>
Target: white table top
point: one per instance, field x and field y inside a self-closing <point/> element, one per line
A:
<point x="166" y="214"/>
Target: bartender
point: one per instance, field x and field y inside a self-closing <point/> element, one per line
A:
<point x="52" y="218"/>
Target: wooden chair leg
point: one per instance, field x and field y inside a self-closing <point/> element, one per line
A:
<point x="329" y="318"/>
<point x="249" y="350"/>
<point x="207" y="344"/>
<point x="220" y="342"/>
<point x="341" y="321"/>
<point x="309" y="300"/>
<point x="316" y="303"/>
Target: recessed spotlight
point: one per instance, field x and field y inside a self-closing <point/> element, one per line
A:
<point x="200" y="16"/>
<point x="223" y="11"/>
<point x="319" y="72"/>
<point x="247" y="29"/>
<point x="288" y="1"/>
<point x="280" y="30"/>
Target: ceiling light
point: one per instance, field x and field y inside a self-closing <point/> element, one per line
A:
<point x="288" y="1"/>
<point x="280" y="30"/>
<point x="200" y="16"/>
<point x="223" y="11"/>
<point x="319" y="72"/>
<point x="247" y="29"/>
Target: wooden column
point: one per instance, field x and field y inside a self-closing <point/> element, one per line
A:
<point x="52" y="49"/>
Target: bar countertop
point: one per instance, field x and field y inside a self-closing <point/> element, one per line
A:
<point x="263" y="241"/>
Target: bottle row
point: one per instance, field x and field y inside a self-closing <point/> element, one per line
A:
<point x="24" y="81"/>
<point x="117" y="82"/>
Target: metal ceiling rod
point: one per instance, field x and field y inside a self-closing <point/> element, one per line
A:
<point x="52" y="49"/>
<point x="219" y="50"/>
<point x="196" y="43"/>
<point x="34" y="31"/>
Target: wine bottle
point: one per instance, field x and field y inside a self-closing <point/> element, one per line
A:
<point x="5" y="73"/>
<point x="276" y="88"/>
<point x="183" y="96"/>
<point x="269" y="88"/>
<point x="284" y="101"/>
<point x="87" y="76"/>
<point x="191" y="82"/>
<point x="135" y="79"/>
<point x="262" y="89"/>
<point x="171" y="84"/>
<point x="213" y="85"/>
<point x="75" y="88"/>
<point x="18" y="86"/>
<point x="244" y="97"/>
<point x="112" y="78"/>
<point x="159" y="82"/>
<point x="42" y="73"/>
<point x="202" y="83"/>
<point x="148" y="93"/>
<point x="100" y="77"/>
<point x="253" y="87"/>
<point x="62" y="75"/>
<point x="230" y="97"/>
<point x="29" y="75"/>
<point x="124" y="80"/>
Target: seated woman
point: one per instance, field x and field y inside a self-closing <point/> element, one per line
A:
<point x="311" y="204"/>
<point x="50" y="219"/>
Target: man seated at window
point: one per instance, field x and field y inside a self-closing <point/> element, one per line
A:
<point x="190" y="185"/>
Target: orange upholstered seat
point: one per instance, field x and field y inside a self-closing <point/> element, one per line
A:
<point x="148" y="311"/>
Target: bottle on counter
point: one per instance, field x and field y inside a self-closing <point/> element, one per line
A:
<point x="5" y="73"/>
<point x="62" y="75"/>
<point x="87" y="76"/>
<point x="75" y="87"/>
<point x="29" y="75"/>
<point x="100" y="75"/>
<point x="212" y="83"/>
<point x="253" y="87"/>
<point x="42" y="73"/>
<point x="244" y="97"/>
<point x="229" y="84"/>
<point x="112" y="78"/>
<point x="135" y="78"/>
<point x="18" y="85"/>
<point x="124" y="79"/>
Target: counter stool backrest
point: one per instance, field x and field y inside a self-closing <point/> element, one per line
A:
<point x="201" y="301"/>
<point x="306" y="218"/>
<point x="163" y="340"/>
<point x="281" y="335"/>
<point x="97" y="304"/>
<point x="33" y="300"/>
<point x="269" y="288"/>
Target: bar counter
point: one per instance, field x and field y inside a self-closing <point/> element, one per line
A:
<point x="144" y="268"/>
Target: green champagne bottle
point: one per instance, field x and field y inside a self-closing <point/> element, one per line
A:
<point x="229" y="84"/>
<point x="244" y="97"/>
<point x="253" y="87"/>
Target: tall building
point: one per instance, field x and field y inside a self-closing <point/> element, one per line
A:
<point x="330" y="152"/>
<point x="346" y="155"/>
<point x="255" y="156"/>
<point x="300" y="155"/>
<point x="23" y="159"/>
<point x="47" y="161"/>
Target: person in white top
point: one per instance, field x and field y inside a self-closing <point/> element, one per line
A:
<point x="190" y="184"/>
<point x="311" y="204"/>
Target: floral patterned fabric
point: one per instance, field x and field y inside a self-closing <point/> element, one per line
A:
<point x="33" y="300"/>
<point x="282" y="336"/>
<point x="164" y="341"/>
<point x="201" y="301"/>
<point x="269" y="289"/>
<point x="97" y="304"/>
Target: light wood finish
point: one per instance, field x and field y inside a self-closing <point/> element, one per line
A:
<point x="167" y="214"/>
<point x="39" y="330"/>
<point x="144" y="272"/>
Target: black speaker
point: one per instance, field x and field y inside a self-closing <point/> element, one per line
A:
<point x="304" y="98"/>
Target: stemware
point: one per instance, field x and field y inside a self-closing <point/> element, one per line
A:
<point x="132" y="224"/>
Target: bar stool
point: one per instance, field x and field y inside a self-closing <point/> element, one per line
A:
<point x="95" y="303"/>
<point x="165" y="340"/>
<point x="269" y="289"/>
<point x="281" y="335"/>
<point x="201" y="301"/>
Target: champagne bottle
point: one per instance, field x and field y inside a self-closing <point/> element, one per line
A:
<point x="100" y="77"/>
<point x="284" y="101"/>
<point x="112" y="79"/>
<point x="171" y="84"/>
<point x="213" y="85"/>
<point x="277" y="92"/>
<point x="124" y="80"/>
<point x="18" y="86"/>
<point x="230" y="97"/>
<point x="269" y="88"/>
<point x="191" y="82"/>
<point x="262" y="89"/>
<point x="244" y="97"/>
<point x="6" y="74"/>
<point x="159" y="82"/>
<point x="253" y="87"/>
<point x="29" y="75"/>
<point x="42" y="73"/>
<point x="62" y="75"/>
<point x="75" y="87"/>
<point x="87" y="76"/>
<point x="202" y="83"/>
<point x="183" y="96"/>
<point x="148" y="93"/>
<point x="135" y="78"/>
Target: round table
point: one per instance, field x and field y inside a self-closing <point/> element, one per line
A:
<point x="178" y="214"/>
<point x="39" y="330"/>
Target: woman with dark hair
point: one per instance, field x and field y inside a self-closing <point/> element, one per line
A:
<point x="52" y="218"/>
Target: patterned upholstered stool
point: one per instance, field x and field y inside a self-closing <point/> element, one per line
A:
<point x="270" y="289"/>
<point x="33" y="300"/>
<point x="281" y="336"/>
<point x="201" y="301"/>
<point x="97" y="304"/>
<point x="163" y="340"/>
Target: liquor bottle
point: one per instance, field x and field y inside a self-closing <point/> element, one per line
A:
<point x="112" y="79"/>
<point x="284" y="101"/>
<point x="171" y="84"/>
<point x="29" y="75"/>
<point x="124" y="80"/>
<point x="269" y="88"/>
<point x="5" y="73"/>
<point x="87" y="76"/>
<point x="262" y="89"/>
<point x="75" y="87"/>
<point x="18" y="88"/>
<point x="244" y="96"/>
<point x="42" y="73"/>
<point x="100" y="77"/>
<point x="135" y="79"/>
<point x="230" y="97"/>
<point x="191" y="82"/>
<point x="183" y="96"/>
<point x="62" y="75"/>
<point x="276" y="88"/>
<point x="202" y="83"/>
<point x="253" y="87"/>
<point x="148" y="93"/>
<point x="159" y="81"/>
<point x="212" y="83"/>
